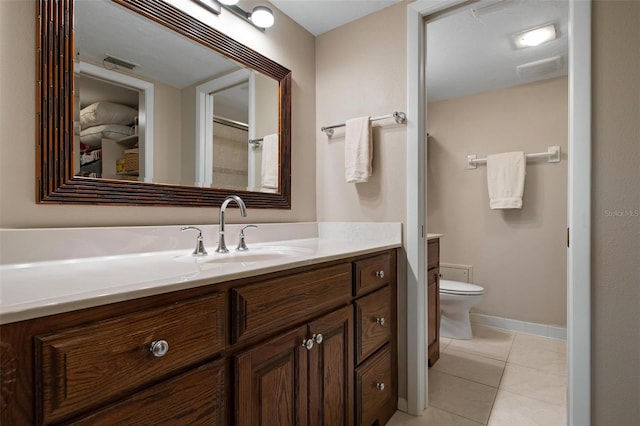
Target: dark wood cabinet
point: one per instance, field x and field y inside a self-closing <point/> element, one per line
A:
<point x="271" y="381"/>
<point x="433" y="301"/>
<point x="331" y="370"/>
<point x="235" y="352"/>
<point x="195" y="398"/>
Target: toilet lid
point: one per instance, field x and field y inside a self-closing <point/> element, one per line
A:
<point x="457" y="287"/>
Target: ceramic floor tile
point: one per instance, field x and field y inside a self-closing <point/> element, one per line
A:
<point x="548" y="361"/>
<point x="488" y="342"/>
<point x="529" y="341"/>
<point x="471" y="367"/>
<point x="511" y="409"/>
<point x="444" y="342"/>
<point x="432" y="417"/>
<point x="459" y="396"/>
<point x="536" y="384"/>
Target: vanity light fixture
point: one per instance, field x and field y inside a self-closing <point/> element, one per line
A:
<point x="211" y="5"/>
<point x="535" y="36"/>
<point x="260" y="17"/>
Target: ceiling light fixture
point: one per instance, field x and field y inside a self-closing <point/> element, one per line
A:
<point x="535" y="36"/>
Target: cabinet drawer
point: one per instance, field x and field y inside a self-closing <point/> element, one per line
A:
<point x="373" y="322"/>
<point x="264" y="307"/>
<point x="372" y="273"/>
<point x="374" y="390"/>
<point x="193" y="398"/>
<point x="433" y="253"/>
<point x="83" y="367"/>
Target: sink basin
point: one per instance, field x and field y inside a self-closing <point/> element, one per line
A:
<point x="253" y="255"/>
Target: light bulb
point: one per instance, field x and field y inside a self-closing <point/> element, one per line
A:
<point x="262" y="17"/>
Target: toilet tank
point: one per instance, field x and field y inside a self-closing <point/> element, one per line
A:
<point x="456" y="272"/>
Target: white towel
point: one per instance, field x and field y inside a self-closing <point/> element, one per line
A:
<point x="505" y="178"/>
<point x="358" y="150"/>
<point x="270" y="162"/>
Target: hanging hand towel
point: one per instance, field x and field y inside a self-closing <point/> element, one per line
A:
<point x="358" y="150"/>
<point x="270" y="160"/>
<point x="505" y="178"/>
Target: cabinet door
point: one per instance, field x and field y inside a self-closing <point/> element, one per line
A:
<point x="433" y="323"/>
<point x="271" y="383"/>
<point x="331" y="369"/>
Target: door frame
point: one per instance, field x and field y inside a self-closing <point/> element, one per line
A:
<point x="578" y="215"/>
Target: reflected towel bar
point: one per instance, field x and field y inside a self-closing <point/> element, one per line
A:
<point x="400" y="118"/>
<point x="255" y="143"/>
<point x="552" y="155"/>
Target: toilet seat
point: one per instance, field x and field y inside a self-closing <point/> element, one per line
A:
<point x="460" y="288"/>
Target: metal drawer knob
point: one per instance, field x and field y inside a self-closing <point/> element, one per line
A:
<point x="319" y="338"/>
<point x="380" y="274"/>
<point x="380" y="386"/>
<point x="380" y="321"/>
<point x="308" y="343"/>
<point x="159" y="348"/>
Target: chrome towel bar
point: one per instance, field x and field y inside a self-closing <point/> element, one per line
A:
<point x="400" y="118"/>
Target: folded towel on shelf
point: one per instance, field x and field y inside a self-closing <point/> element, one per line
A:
<point x="270" y="163"/>
<point x="358" y="150"/>
<point x="505" y="179"/>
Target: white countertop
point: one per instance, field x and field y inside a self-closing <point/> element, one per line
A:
<point x="40" y="288"/>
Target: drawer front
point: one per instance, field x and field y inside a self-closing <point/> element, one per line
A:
<point x="373" y="322"/>
<point x="372" y="273"/>
<point x="264" y="307"/>
<point x="374" y="390"/>
<point x="433" y="253"/>
<point x="84" y="367"/>
<point x="194" y="398"/>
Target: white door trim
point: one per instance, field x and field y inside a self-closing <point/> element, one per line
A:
<point x="579" y="208"/>
<point x="145" y="110"/>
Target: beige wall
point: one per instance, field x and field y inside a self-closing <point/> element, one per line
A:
<point x="615" y="188"/>
<point x="286" y="43"/>
<point x="361" y="70"/>
<point x="518" y="256"/>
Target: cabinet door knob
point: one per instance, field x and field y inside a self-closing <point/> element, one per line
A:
<point x="159" y="348"/>
<point x="308" y="343"/>
<point x="380" y="386"/>
<point x="319" y="338"/>
<point x="380" y="321"/>
<point x="380" y="274"/>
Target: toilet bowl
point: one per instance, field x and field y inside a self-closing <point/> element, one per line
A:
<point x="456" y="298"/>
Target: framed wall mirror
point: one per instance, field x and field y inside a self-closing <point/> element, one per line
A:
<point x="138" y="103"/>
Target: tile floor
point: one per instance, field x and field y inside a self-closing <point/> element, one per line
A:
<point x="499" y="378"/>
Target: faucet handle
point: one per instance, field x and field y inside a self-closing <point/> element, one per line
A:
<point x="199" y="250"/>
<point x="242" y="246"/>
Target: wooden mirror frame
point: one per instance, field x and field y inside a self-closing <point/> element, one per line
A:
<point x="55" y="180"/>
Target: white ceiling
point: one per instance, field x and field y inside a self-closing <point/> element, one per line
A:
<point x="466" y="54"/>
<point x="320" y="16"/>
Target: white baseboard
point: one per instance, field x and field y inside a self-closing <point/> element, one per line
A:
<point x="550" y="331"/>
<point x="403" y="405"/>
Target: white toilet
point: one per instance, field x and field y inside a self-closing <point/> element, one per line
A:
<point x="456" y="298"/>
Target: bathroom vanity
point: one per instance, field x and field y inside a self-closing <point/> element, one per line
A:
<point x="315" y="343"/>
<point x="433" y="300"/>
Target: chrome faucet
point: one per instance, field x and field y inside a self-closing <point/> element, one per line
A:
<point x="222" y="247"/>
